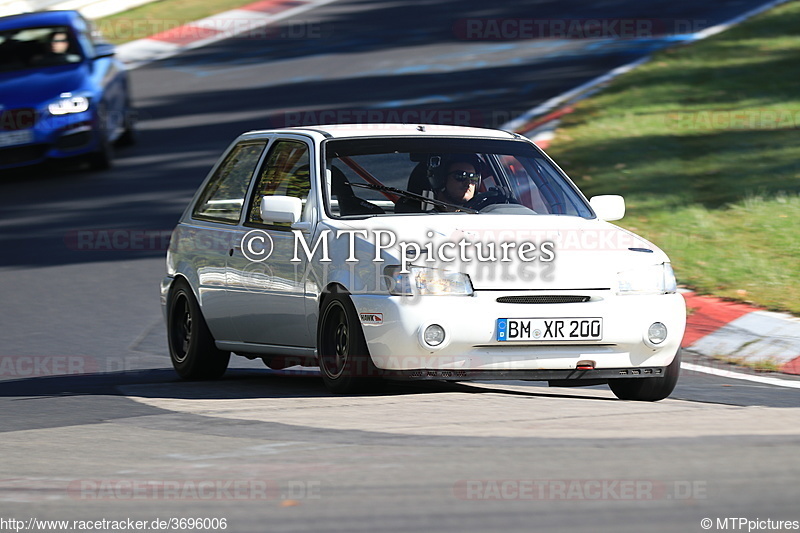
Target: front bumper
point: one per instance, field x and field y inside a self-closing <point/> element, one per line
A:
<point x="579" y="377"/>
<point x="164" y="287"/>
<point x="470" y="345"/>
<point x="54" y="137"/>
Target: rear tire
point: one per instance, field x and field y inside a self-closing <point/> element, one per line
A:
<point x="191" y="345"/>
<point x="648" y="389"/>
<point x="344" y="360"/>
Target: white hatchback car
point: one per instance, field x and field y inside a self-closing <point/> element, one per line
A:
<point x="416" y="252"/>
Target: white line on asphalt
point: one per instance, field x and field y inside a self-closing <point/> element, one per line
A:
<point x="713" y="30"/>
<point x="736" y="375"/>
<point x="565" y="97"/>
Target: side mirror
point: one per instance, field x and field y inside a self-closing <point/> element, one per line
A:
<point x="103" y="50"/>
<point x="608" y="206"/>
<point x="281" y="209"/>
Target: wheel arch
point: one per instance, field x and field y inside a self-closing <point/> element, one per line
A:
<point x="333" y="287"/>
<point x="186" y="273"/>
<point x="353" y="369"/>
<point x="181" y="278"/>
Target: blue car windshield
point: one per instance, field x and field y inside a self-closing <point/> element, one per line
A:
<point x="40" y="47"/>
<point x="386" y="176"/>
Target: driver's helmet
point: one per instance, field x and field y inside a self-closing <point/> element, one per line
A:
<point x="438" y="165"/>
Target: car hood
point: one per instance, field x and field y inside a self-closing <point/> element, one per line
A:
<point x="33" y="88"/>
<point x="570" y="252"/>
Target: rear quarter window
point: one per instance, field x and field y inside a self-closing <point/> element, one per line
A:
<point x="223" y="197"/>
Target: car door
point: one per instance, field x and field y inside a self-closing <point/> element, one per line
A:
<point x="204" y="241"/>
<point x="267" y="295"/>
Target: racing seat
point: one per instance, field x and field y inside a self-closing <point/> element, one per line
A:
<point x="417" y="183"/>
<point x="349" y="203"/>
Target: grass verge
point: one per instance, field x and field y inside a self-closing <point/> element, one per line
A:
<point x="703" y="143"/>
<point x="162" y="15"/>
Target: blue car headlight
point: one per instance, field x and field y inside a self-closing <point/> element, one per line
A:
<point x="68" y="103"/>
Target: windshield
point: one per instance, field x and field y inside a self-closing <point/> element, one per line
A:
<point x="374" y="177"/>
<point x="28" y="48"/>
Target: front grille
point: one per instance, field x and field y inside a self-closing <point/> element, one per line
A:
<point x="543" y="299"/>
<point x="22" y="118"/>
<point x="72" y="141"/>
<point x="22" y="154"/>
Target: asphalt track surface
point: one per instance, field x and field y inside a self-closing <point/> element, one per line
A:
<point x="89" y="407"/>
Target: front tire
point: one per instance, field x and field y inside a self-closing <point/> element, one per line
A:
<point x="103" y="157"/>
<point x="344" y="360"/>
<point x="129" y="134"/>
<point x="191" y="345"/>
<point x="648" y="389"/>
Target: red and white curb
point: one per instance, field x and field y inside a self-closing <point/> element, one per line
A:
<point x="246" y="20"/>
<point x="733" y="330"/>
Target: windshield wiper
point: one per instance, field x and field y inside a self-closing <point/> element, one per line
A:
<point x="412" y="195"/>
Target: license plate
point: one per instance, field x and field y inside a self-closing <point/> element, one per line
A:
<point x="549" y="329"/>
<point x="11" y="138"/>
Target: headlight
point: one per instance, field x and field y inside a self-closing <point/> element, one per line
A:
<point x="68" y="104"/>
<point x="422" y="280"/>
<point x="656" y="279"/>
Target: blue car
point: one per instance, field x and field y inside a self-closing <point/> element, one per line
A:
<point x="63" y="94"/>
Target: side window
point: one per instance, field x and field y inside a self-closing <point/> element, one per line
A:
<point x="223" y="197"/>
<point x="285" y="172"/>
<point x="87" y="42"/>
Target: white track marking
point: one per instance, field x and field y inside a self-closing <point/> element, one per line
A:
<point x="746" y="377"/>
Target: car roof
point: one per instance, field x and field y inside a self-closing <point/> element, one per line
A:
<point x="40" y="18"/>
<point x="391" y="130"/>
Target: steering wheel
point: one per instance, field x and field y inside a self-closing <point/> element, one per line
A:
<point x="490" y="197"/>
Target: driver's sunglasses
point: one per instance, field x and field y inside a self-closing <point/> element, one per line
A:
<point x="462" y="176"/>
